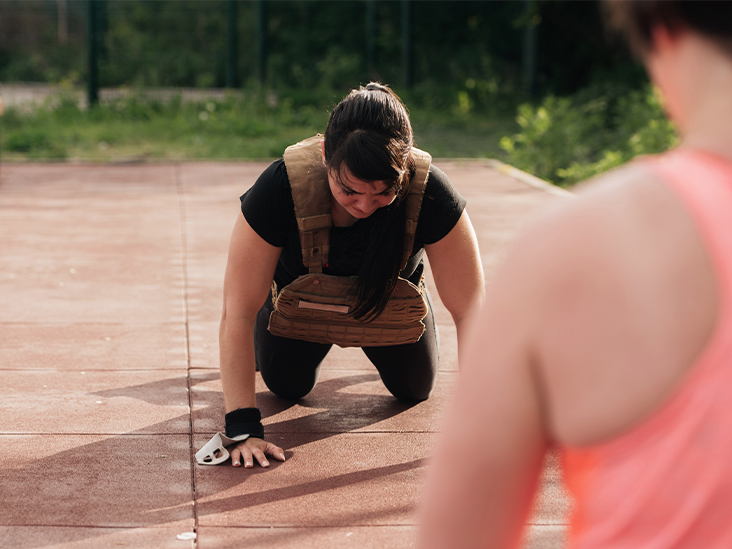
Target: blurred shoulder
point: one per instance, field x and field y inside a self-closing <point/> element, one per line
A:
<point x="594" y="242"/>
<point x="605" y="212"/>
<point x="606" y="275"/>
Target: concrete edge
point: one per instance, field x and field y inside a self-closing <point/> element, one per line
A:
<point x="510" y="171"/>
<point x="529" y="179"/>
<point x="131" y="160"/>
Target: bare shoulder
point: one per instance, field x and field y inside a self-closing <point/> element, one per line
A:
<point x="623" y="300"/>
<point x="606" y="210"/>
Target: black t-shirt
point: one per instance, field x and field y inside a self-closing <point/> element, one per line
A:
<point x="269" y="209"/>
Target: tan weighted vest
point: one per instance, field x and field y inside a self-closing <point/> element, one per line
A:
<point x="315" y="307"/>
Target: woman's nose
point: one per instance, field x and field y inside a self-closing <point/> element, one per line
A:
<point x="365" y="203"/>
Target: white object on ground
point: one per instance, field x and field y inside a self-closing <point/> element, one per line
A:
<point x="214" y="451"/>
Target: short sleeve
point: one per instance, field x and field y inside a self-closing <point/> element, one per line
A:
<point x="442" y="207"/>
<point x="267" y="205"/>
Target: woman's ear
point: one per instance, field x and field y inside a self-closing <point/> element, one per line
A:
<point x="674" y="71"/>
<point x="663" y="38"/>
<point x="322" y="149"/>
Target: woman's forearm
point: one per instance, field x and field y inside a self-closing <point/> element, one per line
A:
<point x="466" y="321"/>
<point x="237" y="363"/>
<point x="461" y="327"/>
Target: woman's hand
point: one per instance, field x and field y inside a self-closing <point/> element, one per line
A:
<point x="257" y="448"/>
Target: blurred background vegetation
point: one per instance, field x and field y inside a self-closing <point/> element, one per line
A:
<point x="536" y="83"/>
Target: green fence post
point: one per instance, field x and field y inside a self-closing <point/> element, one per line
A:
<point x="407" y="59"/>
<point x="530" y="46"/>
<point x="371" y="38"/>
<point x="261" y="41"/>
<point x="92" y="40"/>
<point x="232" y="59"/>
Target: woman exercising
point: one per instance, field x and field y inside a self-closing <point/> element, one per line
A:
<point x="329" y="250"/>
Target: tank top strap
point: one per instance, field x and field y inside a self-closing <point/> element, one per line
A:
<point x="703" y="181"/>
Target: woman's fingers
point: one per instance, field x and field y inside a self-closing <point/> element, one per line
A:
<point x="260" y="457"/>
<point x="255" y="448"/>
<point x="241" y="454"/>
<point x="275" y="451"/>
<point x="236" y="457"/>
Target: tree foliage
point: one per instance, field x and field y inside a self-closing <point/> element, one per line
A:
<point x="311" y="44"/>
<point x="570" y="139"/>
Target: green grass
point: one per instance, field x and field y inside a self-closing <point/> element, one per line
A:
<point x="475" y="135"/>
<point x="233" y="129"/>
<point x="562" y="140"/>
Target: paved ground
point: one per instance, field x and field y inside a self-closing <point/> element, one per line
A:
<point x="110" y="295"/>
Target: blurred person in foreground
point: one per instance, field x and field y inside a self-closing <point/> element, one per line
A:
<point x="608" y="334"/>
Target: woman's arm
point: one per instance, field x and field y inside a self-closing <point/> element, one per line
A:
<point x="458" y="273"/>
<point x="482" y="478"/>
<point x="249" y="274"/>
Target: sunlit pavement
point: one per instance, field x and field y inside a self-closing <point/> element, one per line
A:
<point x="110" y="296"/>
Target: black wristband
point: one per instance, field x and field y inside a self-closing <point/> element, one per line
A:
<point x="244" y="421"/>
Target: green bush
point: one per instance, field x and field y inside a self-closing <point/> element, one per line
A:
<point x="35" y="143"/>
<point x="27" y="140"/>
<point x="569" y="139"/>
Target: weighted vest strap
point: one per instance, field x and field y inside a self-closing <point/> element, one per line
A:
<point x="417" y="184"/>
<point x="311" y="194"/>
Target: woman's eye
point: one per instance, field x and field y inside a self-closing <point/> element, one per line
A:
<point x="347" y="192"/>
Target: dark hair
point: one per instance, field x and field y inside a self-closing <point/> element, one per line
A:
<point x="637" y="18"/>
<point x="369" y="133"/>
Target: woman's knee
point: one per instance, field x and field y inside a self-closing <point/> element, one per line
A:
<point x="411" y="391"/>
<point x="289" y="385"/>
<point x="411" y="397"/>
<point x="290" y="368"/>
<point x="290" y="393"/>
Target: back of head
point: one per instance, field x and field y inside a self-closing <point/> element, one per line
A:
<point x="637" y="18"/>
<point x="370" y="133"/>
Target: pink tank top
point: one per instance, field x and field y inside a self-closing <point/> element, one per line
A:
<point x="667" y="483"/>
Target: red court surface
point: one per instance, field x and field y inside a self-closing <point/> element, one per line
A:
<point x="110" y="297"/>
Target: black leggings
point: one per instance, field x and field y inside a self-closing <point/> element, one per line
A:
<point x="290" y="367"/>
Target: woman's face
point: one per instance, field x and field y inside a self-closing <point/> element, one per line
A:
<point x="359" y="198"/>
